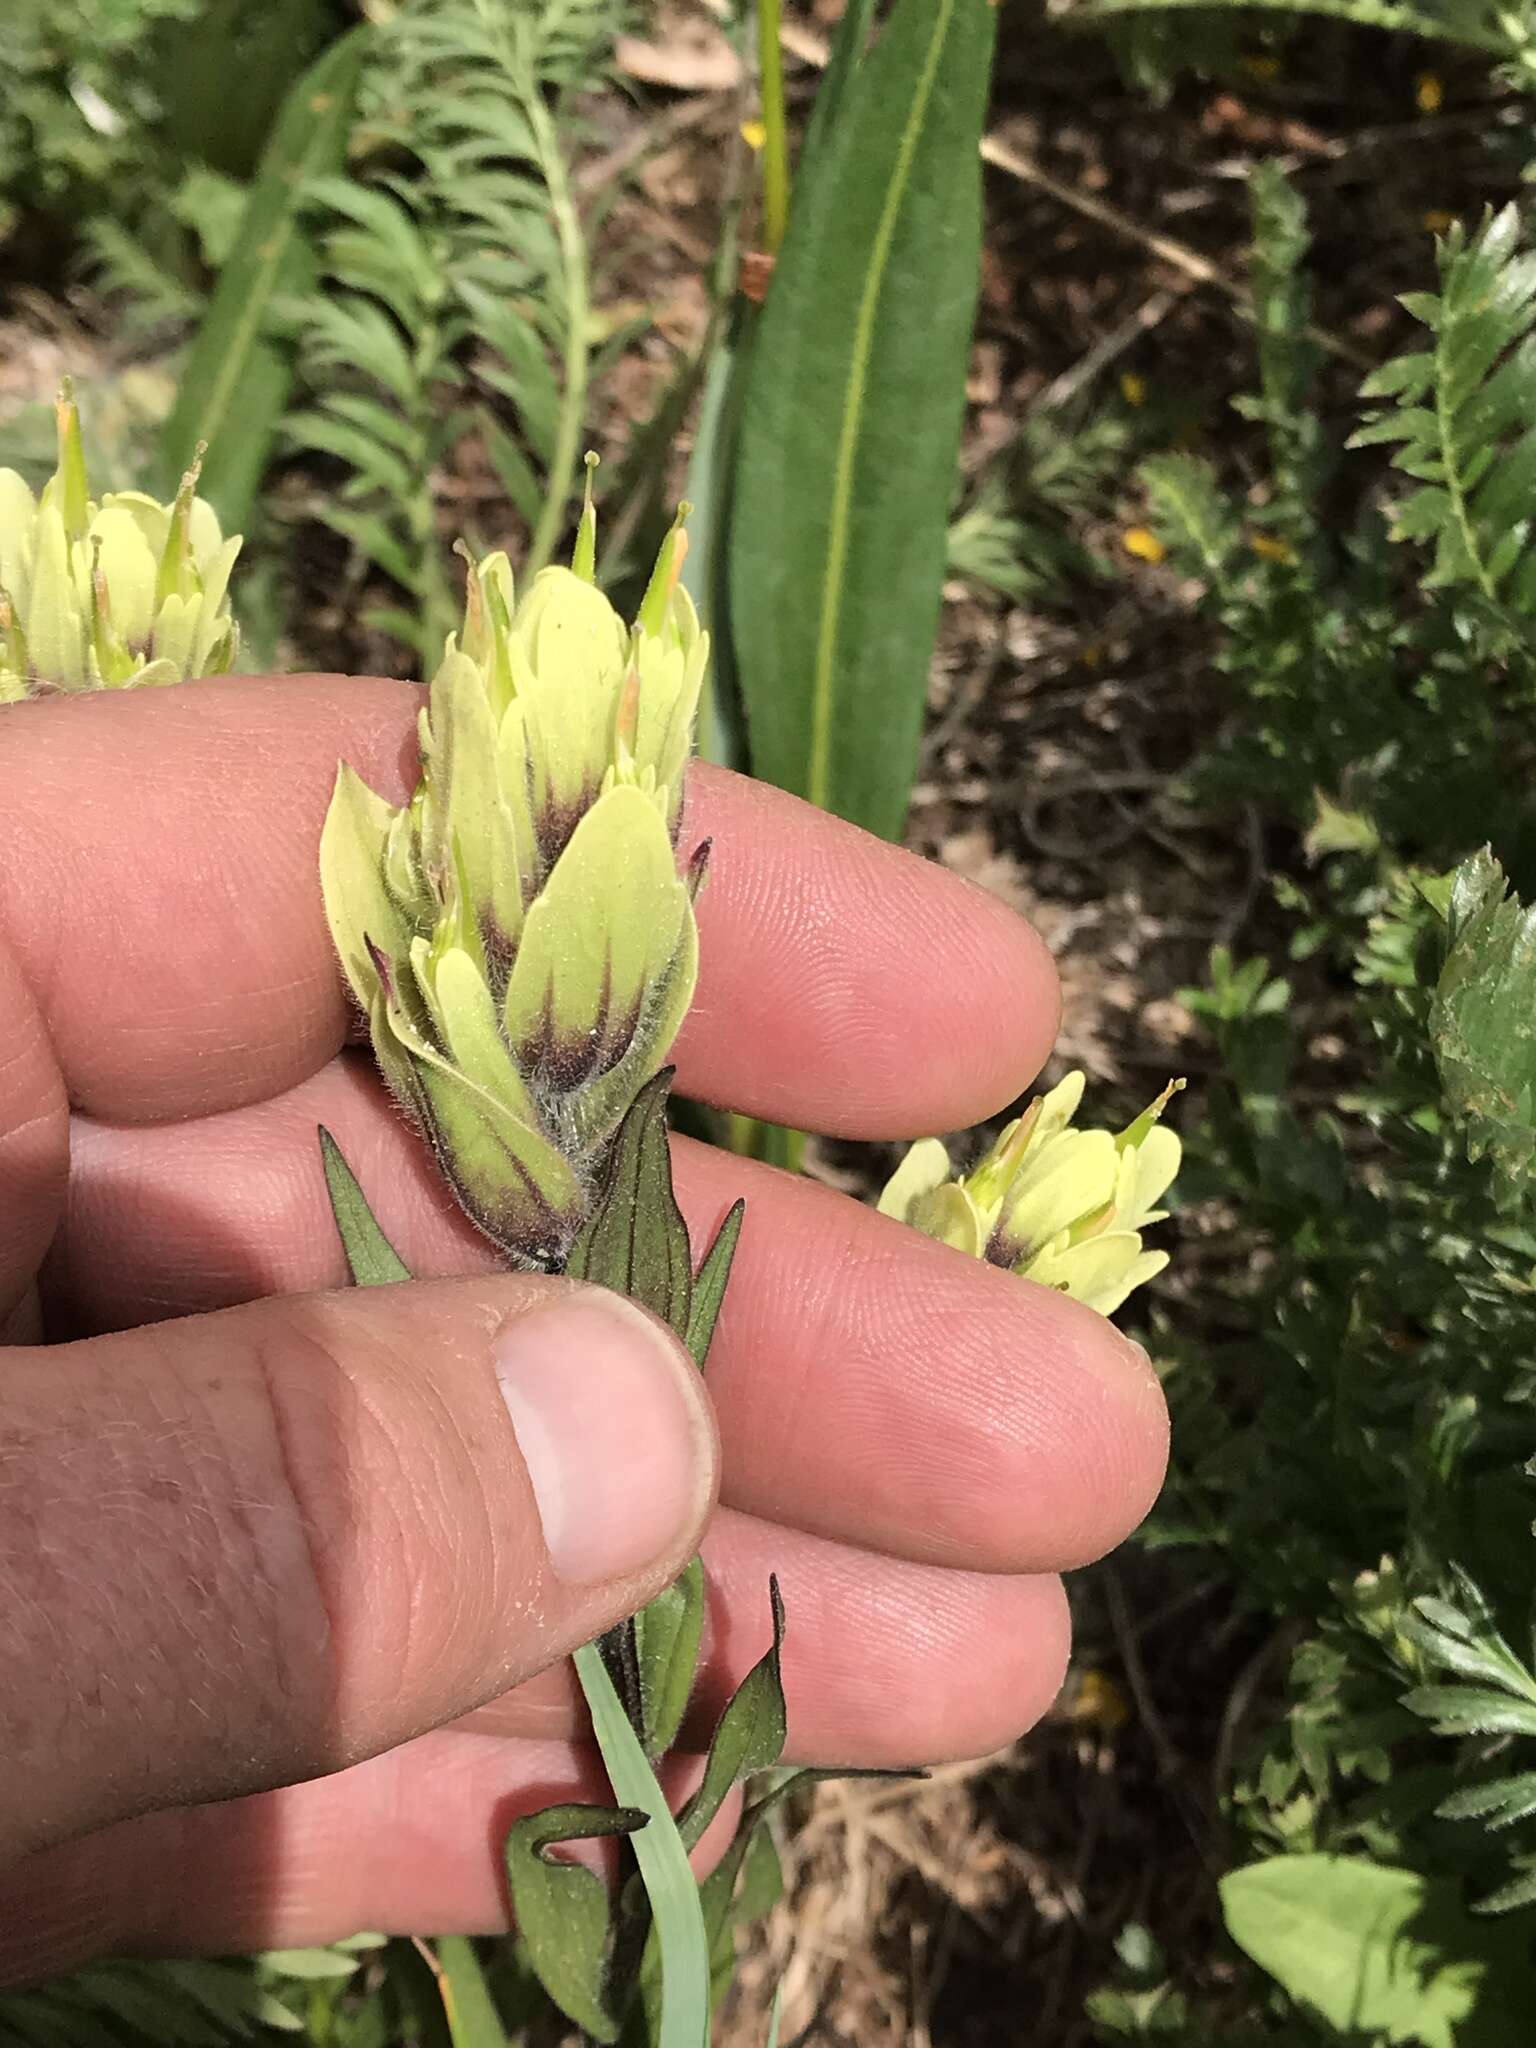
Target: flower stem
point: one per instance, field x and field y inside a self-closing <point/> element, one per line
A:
<point x="770" y="65"/>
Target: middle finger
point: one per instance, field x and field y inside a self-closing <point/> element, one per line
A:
<point x="872" y="1387"/>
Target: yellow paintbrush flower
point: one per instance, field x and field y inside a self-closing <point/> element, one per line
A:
<point x="109" y="594"/>
<point x="1061" y="1206"/>
<point x="519" y="934"/>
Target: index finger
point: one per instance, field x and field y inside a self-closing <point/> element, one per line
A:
<point x="158" y="890"/>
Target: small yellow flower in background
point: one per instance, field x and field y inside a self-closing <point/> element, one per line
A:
<point x="1428" y="92"/>
<point x="1144" y="544"/>
<point x="121" y="593"/>
<point x="754" y="134"/>
<point x="1269" y="547"/>
<point x="1133" y="388"/>
<point x="1050" y="1203"/>
<point x="1096" y="1702"/>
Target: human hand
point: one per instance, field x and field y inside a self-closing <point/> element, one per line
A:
<point x="251" y="1543"/>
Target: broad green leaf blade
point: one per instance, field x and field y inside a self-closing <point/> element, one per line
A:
<point x="1482" y="1022"/>
<point x="467" y="2002"/>
<point x="709" y="1285"/>
<point x="373" y="1260"/>
<point x="677" y="1916"/>
<point x="1380" y="1953"/>
<point x="564" y="1910"/>
<point x="668" y="1630"/>
<point x="851" y="422"/>
<point x="635" y="1240"/>
<point x="750" y="1736"/>
<point x="236" y="378"/>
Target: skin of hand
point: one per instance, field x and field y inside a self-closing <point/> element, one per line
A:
<point x="287" y="1570"/>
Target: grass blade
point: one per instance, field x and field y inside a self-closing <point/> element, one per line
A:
<point x="663" y="1861"/>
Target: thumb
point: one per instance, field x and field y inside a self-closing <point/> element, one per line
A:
<point x="252" y="1547"/>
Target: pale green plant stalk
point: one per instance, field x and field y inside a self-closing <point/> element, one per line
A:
<point x="770" y="70"/>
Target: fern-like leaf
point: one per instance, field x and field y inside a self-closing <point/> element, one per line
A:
<point x="1461" y="414"/>
<point x="1497" y="1701"/>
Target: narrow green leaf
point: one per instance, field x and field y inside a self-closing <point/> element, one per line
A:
<point x="709" y="1285"/>
<point x="564" y="1910"/>
<point x="750" y="1736"/>
<point x="236" y="378"/>
<point x="677" y="1916"/>
<point x="635" y="1240"/>
<point x="668" y="1630"/>
<point x="852" y="417"/>
<point x="467" y="2001"/>
<point x="370" y="1255"/>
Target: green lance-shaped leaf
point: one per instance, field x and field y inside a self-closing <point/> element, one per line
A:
<point x="635" y="1240"/>
<point x="709" y="1285"/>
<point x="668" y="1631"/>
<point x="750" y="1736"/>
<point x="371" y="1258"/>
<point x="852" y="418"/>
<point x="1482" y="1022"/>
<point x="564" y="1910"/>
<point x="236" y="379"/>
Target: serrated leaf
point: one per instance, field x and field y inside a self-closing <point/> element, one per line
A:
<point x="564" y="1911"/>
<point x="750" y="1736"/>
<point x="236" y="378"/>
<point x="1501" y="1801"/>
<point x="1463" y="408"/>
<point x="1483" y="1022"/>
<point x="668" y="1631"/>
<point x="373" y="1260"/>
<point x="1471" y="1710"/>
<point x="851" y="421"/>
<point x="1381" y="1953"/>
<point x="1190" y="511"/>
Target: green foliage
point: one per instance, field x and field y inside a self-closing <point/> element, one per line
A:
<point x="1015" y="527"/>
<point x="235" y="382"/>
<point x="453" y="288"/>
<point x="1352" y="1427"/>
<point x="1377" y="1952"/>
<point x="1156" y="40"/>
<point x="286" y="1992"/>
<point x="852" y="418"/>
<point x="1482" y="1022"/>
<point x="1460" y="416"/>
<point x="1492" y="1701"/>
